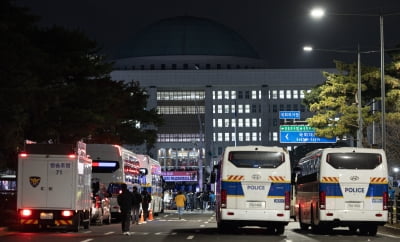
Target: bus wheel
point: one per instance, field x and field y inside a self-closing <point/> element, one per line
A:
<point x="369" y="230"/>
<point x="353" y="229"/>
<point x="303" y="226"/>
<point x="224" y="227"/>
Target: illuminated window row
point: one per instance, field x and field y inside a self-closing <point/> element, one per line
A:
<point x="180" y="95"/>
<point x="241" y="122"/>
<point x="239" y="108"/>
<point x="233" y="94"/>
<point x="287" y="94"/>
<point x="180" y="110"/>
<point x="179" y="138"/>
<point x="241" y="136"/>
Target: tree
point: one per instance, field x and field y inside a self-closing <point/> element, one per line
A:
<point x="57" y="87"/>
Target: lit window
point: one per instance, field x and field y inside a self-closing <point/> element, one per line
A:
<point x="247" y="108"/>
<point x="247" y="122"/>
<point x="240" y="136"/>
<point x="259" y="122"/>
<point x="281" y="94"/>
<point x="259" y="136"/>
<point x="253" y="94"/>
<point x="233" y="121"/>
<point x="247" y="136"/>
<point x="214" y="123"/>
<point x="233" y="108"/>
<point x="226" y="108"/>
<point x="219" y="137"/>
<point x="213" y="108"/>
<point x="295" y="94"/>
<point x="233" y="94"/>
<point x="240" y="122"/>
<point x="288" y="94"/>
<point x="233" y="137"/>
<point x="226" y="137"/>
<point x="274" y="94"/>
<point x="219" y="95"/>
<point x="259" y="95"/>
<point x="219" y="108"/>
<point x="226" y="122"/>
<point x="254" y="122"/>
<point x="275" y="136"/>
<point x="240" y="108"/>
<point x="302" y="92"/>
<point x="214" y="137"/>
<point x="254" y="136"/>
<point x="220" y="123"/>
<point x="226" y="95"/>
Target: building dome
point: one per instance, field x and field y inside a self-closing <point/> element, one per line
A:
<point x="188" y="36"/>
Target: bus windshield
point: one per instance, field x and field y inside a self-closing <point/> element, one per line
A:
<point x="258" y="159"/>
<point x="363" y="161"/>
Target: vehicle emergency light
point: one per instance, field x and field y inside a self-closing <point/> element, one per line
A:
<point x="322" y="200"/>
<point x="72" y="156"/>
<point x="25" y="212"/>
<point x="223" y="198"/>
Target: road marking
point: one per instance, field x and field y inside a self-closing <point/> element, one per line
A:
<point x="190" y="237"/>
<point x="87" y="232"/>
<point x="202" y="225"/>
<point x="108" y="233"/>
<point x="86" y="240"/>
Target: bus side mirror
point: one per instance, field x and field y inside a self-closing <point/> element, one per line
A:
<point x="143" y="171"/>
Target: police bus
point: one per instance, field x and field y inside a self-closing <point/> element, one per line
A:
<point x="342" y="187"/>
<point x="253" y="188"/>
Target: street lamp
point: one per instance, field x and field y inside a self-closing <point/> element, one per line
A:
<point x="359" y="107"/>
<point x="320" y="12"/>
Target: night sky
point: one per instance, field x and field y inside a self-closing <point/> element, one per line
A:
<point x="277" y="30"/>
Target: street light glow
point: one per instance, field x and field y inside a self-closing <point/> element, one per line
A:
<point x="308" y="48"/>
<point x="317" y="12"/>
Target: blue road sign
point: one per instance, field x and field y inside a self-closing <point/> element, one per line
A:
<point x="289" y="114"/>
<point x="301" y="134"/>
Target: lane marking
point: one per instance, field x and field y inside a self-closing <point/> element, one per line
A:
<point x="86" y="240"/>
<point x="108" y="233"/>
<point x="190" y="237"/>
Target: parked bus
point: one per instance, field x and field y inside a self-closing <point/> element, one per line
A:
<point x="113" y="165"/>
<point x="152" y="182"/>
<point x="253" y="188"/>
<point x="342" y="187"/>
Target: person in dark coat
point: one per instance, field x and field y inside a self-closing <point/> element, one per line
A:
<point x="146" y="199"/>
<point x="137" y="199"/>
<point x="125" y="201"/>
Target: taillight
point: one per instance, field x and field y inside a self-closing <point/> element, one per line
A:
<point x="98" y="202"/>
<point x="322" y="200"/>
<point x="385" y="200"/>
<point x="223" y="198"/>
<point x="24" y="155"/>
<point x="67" y="213"/>
<point x="25" y="212"/>
<point x="287" y="200"/>
<point x="72" y="156"/>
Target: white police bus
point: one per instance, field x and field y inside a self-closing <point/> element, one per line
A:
<point x="253" y="188"/>
<point x="342" y="187"/>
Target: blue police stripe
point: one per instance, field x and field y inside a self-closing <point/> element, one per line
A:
<point x="331" y="189"/>
<point x="278" y="189"/>
<point x="232" y="188"/>
<point x="376" y="190"/>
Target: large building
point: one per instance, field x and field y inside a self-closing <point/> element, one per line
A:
<point x="212" y="90"/>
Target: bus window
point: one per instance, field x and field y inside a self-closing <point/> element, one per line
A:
<point x="259" y="159"/>
<point x="363" y="161"/>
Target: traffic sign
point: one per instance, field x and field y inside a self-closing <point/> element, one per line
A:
<point x="289" y="114"/>
<point x="301" y="134"/>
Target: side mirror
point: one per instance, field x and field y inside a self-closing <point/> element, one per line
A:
<point x="143" y="171"/>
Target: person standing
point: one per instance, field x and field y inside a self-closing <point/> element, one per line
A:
<point x="146" y="199"/>
<point x="125" y="200"/>
<point x="180" y="200"/>
<point x="137" y="199"/>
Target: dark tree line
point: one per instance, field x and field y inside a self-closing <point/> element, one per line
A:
<point x="56" y="87"/>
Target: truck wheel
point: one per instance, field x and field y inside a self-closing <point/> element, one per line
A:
<point x="280" y="229"/>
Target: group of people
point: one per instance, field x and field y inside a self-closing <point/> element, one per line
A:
<point x="129" y="203"/>
<point x="189" y="201"/>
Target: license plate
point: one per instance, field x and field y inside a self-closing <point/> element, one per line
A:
<point x="46" y="215"/>
<point x="354" y="205"/>
<point x="255" y="204"/>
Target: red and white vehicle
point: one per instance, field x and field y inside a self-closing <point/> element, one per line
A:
<point x="53" y="186"/>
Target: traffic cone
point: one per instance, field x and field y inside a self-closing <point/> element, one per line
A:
<point x="141" y="219"/>
<point x="150" y="215"/>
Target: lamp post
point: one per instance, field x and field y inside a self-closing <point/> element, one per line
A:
<point x="320" y="12"/>
<point x="359" y="106"/>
